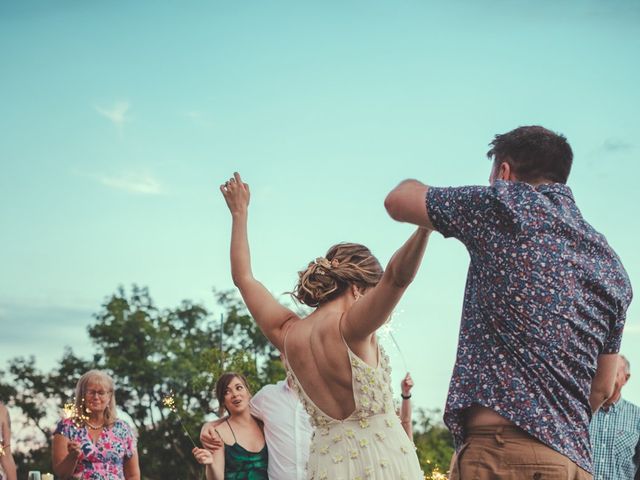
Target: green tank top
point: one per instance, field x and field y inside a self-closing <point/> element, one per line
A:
<point x="241" y="464"/>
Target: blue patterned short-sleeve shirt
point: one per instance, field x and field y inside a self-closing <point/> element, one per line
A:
<point x="545" y="295"/>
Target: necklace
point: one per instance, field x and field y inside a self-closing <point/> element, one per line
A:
<point x="93" y="427"/>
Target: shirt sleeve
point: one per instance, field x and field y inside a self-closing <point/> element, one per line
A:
<point x="612" y="344"/>
<point x="129" y="441"/>
<point x="255" y="405"/>
<point x="459" y="212"/>
<point x="63" y="428"/>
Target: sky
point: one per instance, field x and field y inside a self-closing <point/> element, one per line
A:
<point x="121" y="119"/>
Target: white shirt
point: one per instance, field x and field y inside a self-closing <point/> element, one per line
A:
<point x="287" y="430"/>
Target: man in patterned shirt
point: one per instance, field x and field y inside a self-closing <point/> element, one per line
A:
<point x="543" y="313"/>
<point x="615" y="433"/>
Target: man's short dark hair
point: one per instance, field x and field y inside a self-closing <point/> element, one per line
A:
<point x="534" y="154"/>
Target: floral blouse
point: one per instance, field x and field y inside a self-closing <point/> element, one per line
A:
<point x="103" y="460"/>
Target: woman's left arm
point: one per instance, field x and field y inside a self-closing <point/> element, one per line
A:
<point x="132" y="467"/>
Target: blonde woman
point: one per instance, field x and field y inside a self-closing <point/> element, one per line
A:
<point x="95" y="443"/>
<point x="334" y="360"/>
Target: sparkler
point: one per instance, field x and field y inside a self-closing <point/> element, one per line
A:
<point x="436" y="474"/>
<point x="77" y="416"/>
<point x="169" y="401"/>
<point x="387" y="331"/>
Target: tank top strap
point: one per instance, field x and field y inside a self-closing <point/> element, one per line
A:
<point x="235" y="440"/>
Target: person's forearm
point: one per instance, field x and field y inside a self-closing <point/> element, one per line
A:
<point x="214" y="472"/>
<point x="597" y="397"/>
<point x="405" y="417"/>
<point x="240" y="254"/>
<point x="8" y="465"/>
<point x="66" y="467"/>
<point x="406" y="260"/>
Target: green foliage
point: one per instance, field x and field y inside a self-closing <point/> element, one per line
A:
<point x="433" y="441"/>
<point x="150" y="353"/>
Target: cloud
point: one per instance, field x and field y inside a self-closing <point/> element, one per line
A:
<point x="616" y="145"/>
<point x="143" y="184"/>
<point x="116" y="113"/>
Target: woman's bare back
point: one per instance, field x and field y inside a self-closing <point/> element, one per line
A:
<point x="318" y="357"/>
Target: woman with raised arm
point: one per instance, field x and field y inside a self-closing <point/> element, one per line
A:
<point x="334" y="360"/>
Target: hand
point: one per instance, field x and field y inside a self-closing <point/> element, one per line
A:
<point x="210" y="437"/>
<point x="236" y="194"/>
<point x="73" y="449"/>
<point x="406" y="385"/>
<point x="203" y="456"/>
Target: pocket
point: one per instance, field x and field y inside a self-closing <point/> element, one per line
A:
<point x="625" y="443"/>
<point x="538" y="472"/>
<point x="454" y="474"/>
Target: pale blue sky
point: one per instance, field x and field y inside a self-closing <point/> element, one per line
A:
<point x="120" y="119"/>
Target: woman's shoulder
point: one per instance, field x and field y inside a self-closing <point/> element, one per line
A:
<point x="219" y="421"/>
<point x="121" y="426"/>
<point x="66" y="426"/>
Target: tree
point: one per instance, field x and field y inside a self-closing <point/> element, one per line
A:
<point x="433" y="441"/>
<point x="150" y="353"/>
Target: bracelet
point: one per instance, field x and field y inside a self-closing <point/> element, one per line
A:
<point x="405" y="398"/>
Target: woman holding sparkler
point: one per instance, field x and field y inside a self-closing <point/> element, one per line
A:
<point x="338" y="369"/>
<point x="241" y="452"/>
<point x="92" y="442"/>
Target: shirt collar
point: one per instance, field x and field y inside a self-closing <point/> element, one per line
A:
<point x="558" y="188"/>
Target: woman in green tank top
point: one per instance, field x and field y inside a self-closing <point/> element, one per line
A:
<point x="241" y="452"/>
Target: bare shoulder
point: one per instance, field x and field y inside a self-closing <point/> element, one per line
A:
<point x="218" y="422"/>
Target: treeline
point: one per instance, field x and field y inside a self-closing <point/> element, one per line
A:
<point x="150" y="353"/>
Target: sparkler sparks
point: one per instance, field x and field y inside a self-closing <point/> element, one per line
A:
<point x="78" y="416"/>
<point x="386" y="331"/>
<point x="169" y="401"/>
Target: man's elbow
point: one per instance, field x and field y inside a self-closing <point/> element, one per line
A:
<point x="392" y="205"/>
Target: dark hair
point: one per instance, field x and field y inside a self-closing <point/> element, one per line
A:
<point x="534" y="153"/>
<point x="221" y="387"/>
<point x="328" y="277"/>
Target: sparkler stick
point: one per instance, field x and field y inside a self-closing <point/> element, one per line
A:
<point x="404" y="360"/>
<point x="169" y="401"/>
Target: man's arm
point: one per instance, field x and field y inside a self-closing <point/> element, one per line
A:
<point x="603" y="381"/>
<point x="407" y="203"/>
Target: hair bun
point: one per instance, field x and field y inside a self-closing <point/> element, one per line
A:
<point x="328" y="277"/>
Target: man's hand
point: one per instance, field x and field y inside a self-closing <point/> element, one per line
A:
<point x="210" y="437"/>
<point x="236" y="194"/>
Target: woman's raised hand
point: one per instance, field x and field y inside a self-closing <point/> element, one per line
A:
<point x="236" y="194"/>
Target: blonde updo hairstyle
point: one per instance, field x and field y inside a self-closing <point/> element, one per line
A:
<point x="328" y="277"/>
<point x="102" y="378"/>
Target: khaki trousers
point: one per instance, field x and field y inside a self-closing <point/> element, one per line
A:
<point x="508" y="453"/>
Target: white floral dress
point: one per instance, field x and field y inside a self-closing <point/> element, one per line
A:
<point x="368" y="445"/>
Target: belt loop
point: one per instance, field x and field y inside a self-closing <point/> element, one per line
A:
<point x="498" y="436"/>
